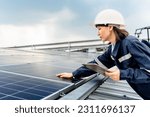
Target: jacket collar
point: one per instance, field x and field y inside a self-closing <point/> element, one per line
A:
<point x="116" y="48"/>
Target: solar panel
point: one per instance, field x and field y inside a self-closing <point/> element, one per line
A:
<point x="30" y="75"/>
<point x="17" y="87"/>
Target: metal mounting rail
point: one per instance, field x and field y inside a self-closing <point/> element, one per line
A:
<point x="62" y="92"/>
<point x="84" y="90"/>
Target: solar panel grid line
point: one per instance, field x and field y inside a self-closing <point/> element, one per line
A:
<point x="28" y="96"/>
<point x="15" y="82"/>
<point x="17" y="92"/>
<point x="7" y="80"/>
<point x="12" y="83"/>
<point x="44" y="89"/>
<point x="38" y="92"/>
<point x="27" y="92"/>
<point x="11" y="98"/>
<point x="59" y="81"/>
<point x="2" y="95"/>
<point x="33" y="88"/>
<point x="15" y="86"/>
<point x="24" y="81"/>
<point x="45" y="82"/>
<point x="2" y="83"/>
<point x="6" y="91"/>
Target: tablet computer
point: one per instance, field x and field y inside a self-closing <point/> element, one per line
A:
<point x="96" y="68"/>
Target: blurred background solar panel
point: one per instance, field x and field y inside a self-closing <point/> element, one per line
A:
<point x="17" y="87"/>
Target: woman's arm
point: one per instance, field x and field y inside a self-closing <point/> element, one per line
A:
<point x="141" y="53"/>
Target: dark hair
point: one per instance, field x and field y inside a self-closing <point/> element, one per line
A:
<point x="120" y="33"/>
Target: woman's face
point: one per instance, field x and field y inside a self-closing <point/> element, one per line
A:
<point x="104" y="33"/>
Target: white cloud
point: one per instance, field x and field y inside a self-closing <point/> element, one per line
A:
<point x="136" y="12"/>
<point x="138" y="19"/>
<point x="48" y="31"/>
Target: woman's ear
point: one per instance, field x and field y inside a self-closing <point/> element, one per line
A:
<point x="110" y="28"/>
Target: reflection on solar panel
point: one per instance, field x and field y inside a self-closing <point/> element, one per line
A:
<point x="17" y="87"/>
<point x="42" y="69"/>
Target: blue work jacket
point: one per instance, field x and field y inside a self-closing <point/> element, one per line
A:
<point x="131" y="56"/>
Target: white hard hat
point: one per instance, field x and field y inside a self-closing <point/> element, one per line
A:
<point x="109" y="16"/>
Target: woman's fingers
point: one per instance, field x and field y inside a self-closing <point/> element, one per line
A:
<point x="65" y="75"/>
<point x="115" y="75"/>
<point x="61" y="75"/>
<point x="107" y="73"/>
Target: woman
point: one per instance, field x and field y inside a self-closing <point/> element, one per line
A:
<point x="131" y="56"/>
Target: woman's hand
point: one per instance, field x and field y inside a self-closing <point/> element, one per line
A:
<point x="113" y="74"/>
<point x="65" y="75"/>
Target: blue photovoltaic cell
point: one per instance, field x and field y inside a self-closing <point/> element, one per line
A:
<point x="2" y="95"/>
<point x="28" y="96"/>
<point x="7" y="91"/>
<point x="37" y="92"/>
<point x="14" y="86"/>
<point x="2" y="83"/>
<point x="10" y="98"/>
<point x="17" y="87"/>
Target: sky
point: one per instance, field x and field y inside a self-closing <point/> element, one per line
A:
<point x="27" y="22"/>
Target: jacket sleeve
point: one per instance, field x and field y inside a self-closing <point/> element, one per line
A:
<point x="141" y="53"/>
<point x="103" y="59"/>
<point x="83" y="72"/>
